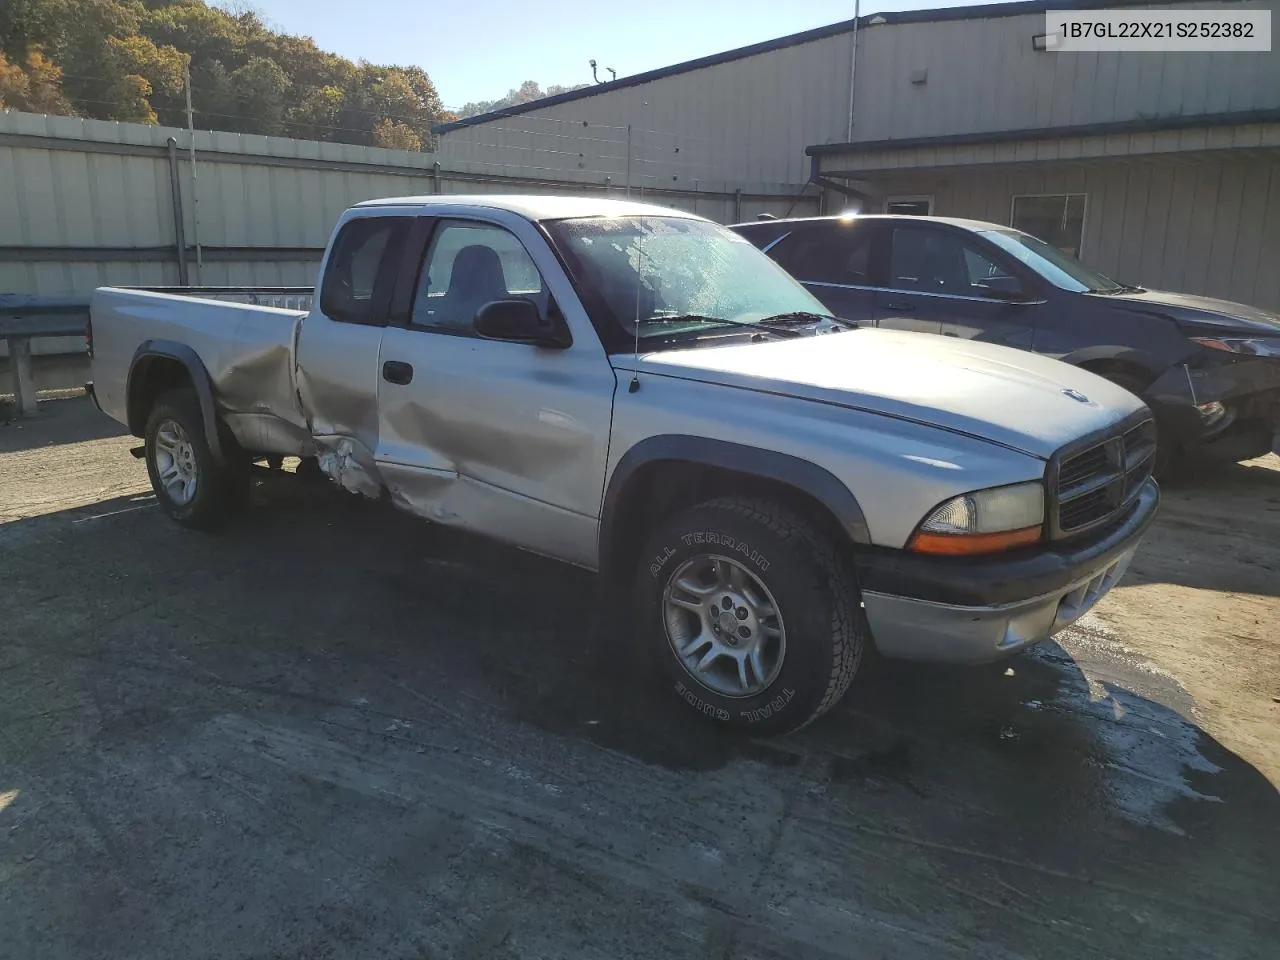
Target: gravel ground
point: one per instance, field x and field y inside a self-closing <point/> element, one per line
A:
<point x="336" y="732"/>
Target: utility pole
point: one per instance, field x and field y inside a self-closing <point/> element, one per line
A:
<point x="853" y="63"/>
<point x="195" y="182"/>
<point x="628" y="160"/>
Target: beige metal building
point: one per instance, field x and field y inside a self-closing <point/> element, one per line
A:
<point x="1157" y="168"/>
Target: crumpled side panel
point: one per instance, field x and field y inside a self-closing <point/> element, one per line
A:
<point x="349" y="464"/>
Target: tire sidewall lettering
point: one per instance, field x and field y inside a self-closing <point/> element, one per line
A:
<point x="774" y="707"/>
<point x="702" y="706"/>
<point x="732" y="545"/>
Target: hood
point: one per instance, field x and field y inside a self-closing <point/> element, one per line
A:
<point x="1007" y="396"/>
<point x="1186" y="308"/>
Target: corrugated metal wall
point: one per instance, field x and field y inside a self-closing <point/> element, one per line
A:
<point x="1210" y="227"/>
<point x="752" y="117"/>
<point x="983" y="75"/>
<point x="748" y="119"/>
<point x="85" y="203"/>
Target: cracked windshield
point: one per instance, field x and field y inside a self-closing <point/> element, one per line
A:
<point x="667" y="276"/>
<point x="677" y="481"/>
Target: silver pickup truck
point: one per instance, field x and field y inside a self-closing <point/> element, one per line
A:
<point x="641" y="392"/>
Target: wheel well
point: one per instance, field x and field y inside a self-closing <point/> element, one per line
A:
<point x="661" y="488"/>
<point x="151" y="377"/>
<point x="1118" y="368"/>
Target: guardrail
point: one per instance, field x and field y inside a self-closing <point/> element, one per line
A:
<point x="24" y="317"/>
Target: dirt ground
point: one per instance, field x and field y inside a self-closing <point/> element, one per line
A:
<point x="336" y="732"/>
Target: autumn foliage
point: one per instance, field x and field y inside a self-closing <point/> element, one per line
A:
<point x="126" y="60"/>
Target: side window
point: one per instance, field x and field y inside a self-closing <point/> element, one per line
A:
<point x="839" y="255"/>
<point x="361" y="263"/>
<point x="468" y="265"/>
<point x="938" y="261"/>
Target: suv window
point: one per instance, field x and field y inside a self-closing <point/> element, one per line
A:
<point x="939" y="261"/>
<point x="360" y="266"/>
<point x="467" y="266"/>
<point x="830" y="255"/>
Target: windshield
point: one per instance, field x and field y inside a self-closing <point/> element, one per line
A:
<point x="1051" y="263"/>
<point x="678" y="276"/>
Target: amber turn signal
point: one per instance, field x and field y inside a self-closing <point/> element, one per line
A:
<point x="966" y="544"/>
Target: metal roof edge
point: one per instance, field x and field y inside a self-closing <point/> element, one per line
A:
<point x="1140" y="125"/>
<point x="938" y="14"/>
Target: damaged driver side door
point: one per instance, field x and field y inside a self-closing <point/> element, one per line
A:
<point x="504" y="438"/>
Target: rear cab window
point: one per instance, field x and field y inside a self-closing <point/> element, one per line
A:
<point x="360" y="272"/>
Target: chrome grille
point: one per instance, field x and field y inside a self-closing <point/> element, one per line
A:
<point x="1095" y="483"/>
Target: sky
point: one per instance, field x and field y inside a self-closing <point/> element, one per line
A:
<point x="481" y="49"/>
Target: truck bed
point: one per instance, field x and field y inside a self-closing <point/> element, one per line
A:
<point x="247" y="348"/>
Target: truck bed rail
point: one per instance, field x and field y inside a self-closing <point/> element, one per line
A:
<point x="24" y="317"/>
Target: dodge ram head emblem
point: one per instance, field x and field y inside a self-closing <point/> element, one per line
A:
<point x="1074" y="394"/>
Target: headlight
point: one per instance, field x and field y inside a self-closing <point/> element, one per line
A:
<point x="984" y="521"/>
<point x="1249" y="346"/>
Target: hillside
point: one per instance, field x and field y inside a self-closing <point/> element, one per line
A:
<point x="126" y="59"/>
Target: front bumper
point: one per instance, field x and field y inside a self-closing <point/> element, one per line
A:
<point x="1249" y="388"/>
<point x="977" y="610"/>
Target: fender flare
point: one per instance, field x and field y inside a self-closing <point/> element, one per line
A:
<point x="804" y="475"/>
<point x="1150" y="365"/>
<point x="150" y="350"/>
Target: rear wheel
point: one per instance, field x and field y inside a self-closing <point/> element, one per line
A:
<point x="190" y="485"/>
<point x="754" y="619"/>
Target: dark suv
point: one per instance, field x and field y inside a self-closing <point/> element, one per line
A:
<point x="1210" y="369"/>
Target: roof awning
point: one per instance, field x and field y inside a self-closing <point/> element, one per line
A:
<point x="1191" y="138"/>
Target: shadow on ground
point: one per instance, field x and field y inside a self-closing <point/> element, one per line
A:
<point x="336" y="731"/>
<point x="60" y="421"/>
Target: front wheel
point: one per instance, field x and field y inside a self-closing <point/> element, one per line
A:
<point x="190" y="485"/>
<point x="754" y="618"/>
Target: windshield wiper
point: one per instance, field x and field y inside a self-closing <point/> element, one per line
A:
<point x="700" y="318"/>
<point x="809" y="315"/>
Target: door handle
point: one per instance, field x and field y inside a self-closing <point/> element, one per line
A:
<point x="900" y="307"/>
<point x="397" y="371"/>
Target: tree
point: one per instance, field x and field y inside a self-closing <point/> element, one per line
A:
<point x="141" y="69"/>
<point x="527" y="92"/>
<point x="315" y="115"/>
<point x="260" y="87"/>
<point x="36" y="89"/>
<point x="126" y="59"/>
<point x="395" y="136"/>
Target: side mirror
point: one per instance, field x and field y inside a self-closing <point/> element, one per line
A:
<point x="518" y="321"/>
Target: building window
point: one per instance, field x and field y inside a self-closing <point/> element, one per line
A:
<point x="910" y="206"/>
<point x="1057" y="219"/>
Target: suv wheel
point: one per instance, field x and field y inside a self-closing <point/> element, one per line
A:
<point x="754" y="619"/>
<point x="191" y="487"/>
